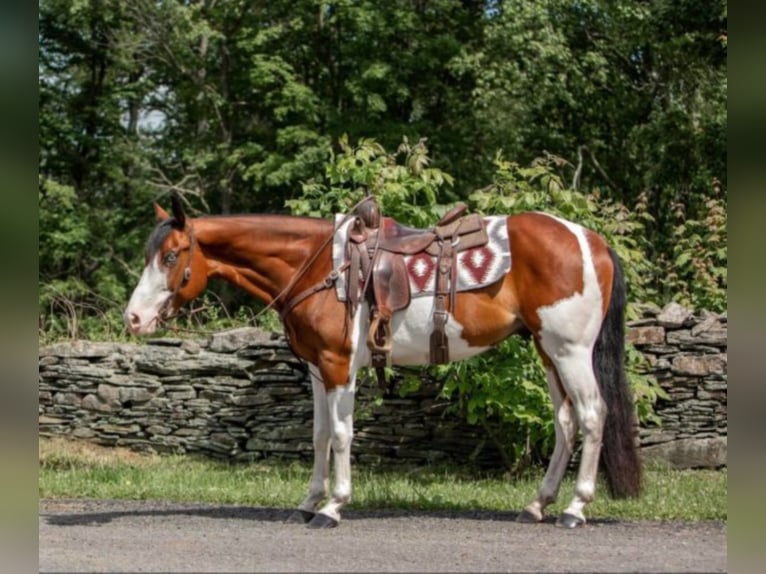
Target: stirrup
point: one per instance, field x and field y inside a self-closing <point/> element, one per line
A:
<point x="375" y="342"/>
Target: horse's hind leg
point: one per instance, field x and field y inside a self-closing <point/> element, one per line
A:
<point x="566" y="429"/>
<point x="320" y="475"/>
<point x="575" y="370"/>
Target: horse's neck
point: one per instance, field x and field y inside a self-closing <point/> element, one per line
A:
<point x="259" y="253"/>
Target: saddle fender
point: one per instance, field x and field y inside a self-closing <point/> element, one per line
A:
<point x="391" y="284"/>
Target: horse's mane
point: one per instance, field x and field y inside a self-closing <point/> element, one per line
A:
<point x="163" y="228"/>
<point x="305" y="218"/>
<point x="158" y="236"/>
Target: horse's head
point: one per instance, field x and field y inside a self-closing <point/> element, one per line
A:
<point x="175" y="272"/>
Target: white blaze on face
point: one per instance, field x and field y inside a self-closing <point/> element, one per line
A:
<point x="147" y="300"/>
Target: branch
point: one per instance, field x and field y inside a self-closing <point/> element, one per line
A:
<point x="499" y="445"/>
<point x="167" y="185"/>
<point x="600" y="170"/>
<point x="578" y="170"/>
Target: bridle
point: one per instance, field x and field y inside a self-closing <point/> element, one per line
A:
<point x="164" y="312"/>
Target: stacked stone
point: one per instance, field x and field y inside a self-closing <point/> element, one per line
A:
<point x="686" y="354"/>
<point x="242" y="395"/>
<point x="179" y="396"/>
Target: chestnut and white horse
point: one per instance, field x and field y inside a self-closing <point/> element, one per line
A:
<point x="565" y="287"/>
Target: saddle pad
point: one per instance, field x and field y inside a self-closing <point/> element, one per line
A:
<point x="477" y="267"/>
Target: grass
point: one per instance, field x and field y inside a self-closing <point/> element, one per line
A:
<point x="80" y="470"/>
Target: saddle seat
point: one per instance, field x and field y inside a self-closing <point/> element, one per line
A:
<point x="398" y="238"/>
<point x="377" y="250"/>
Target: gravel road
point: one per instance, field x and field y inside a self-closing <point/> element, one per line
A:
<point x="132" y="536"/>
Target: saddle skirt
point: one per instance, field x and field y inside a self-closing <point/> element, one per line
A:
<point x="476" y="267"/>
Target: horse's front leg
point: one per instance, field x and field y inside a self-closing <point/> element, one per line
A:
<point x="334" y="384"/>
<point x="340" y="403"/>
<point x="322" y="433"/>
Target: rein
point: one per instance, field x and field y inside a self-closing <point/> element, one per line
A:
<point x="325" y="283"/>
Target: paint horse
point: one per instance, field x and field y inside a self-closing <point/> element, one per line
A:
<point x="565" y="288"/>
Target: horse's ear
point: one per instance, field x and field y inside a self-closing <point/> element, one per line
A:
<point x="178" y="211"/>
<point x="161" y="214"/>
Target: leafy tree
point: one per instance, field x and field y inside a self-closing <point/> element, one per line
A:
<point x="91" y="165"/>
<point x="612" y="114"/>
<point x="403" y="183"/>
<point x="638" y="88"/>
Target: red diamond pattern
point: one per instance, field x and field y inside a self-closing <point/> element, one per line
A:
<point x="478" y="262"/>
<point x="421" y="269"/>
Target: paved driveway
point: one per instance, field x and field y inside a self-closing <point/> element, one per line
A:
<point x="131" y="536"/>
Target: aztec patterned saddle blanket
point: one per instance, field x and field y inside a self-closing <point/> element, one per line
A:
<point x="477" y="266"/>
<point x="386" y="264"/>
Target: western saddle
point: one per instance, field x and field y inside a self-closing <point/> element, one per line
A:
<point x="376" y="251"/>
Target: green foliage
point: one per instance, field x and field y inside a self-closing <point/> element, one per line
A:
<point x="646" y="390"/>
<point x="71" y="310"/>
<point x="64" y="231"/>
<point x="69" y="306"/>
<point x="404" y="184"/>
<point x="698" y="272"/>
<point x="505" y="391"/>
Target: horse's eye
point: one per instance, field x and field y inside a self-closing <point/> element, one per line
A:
<point x="170" y="258"/>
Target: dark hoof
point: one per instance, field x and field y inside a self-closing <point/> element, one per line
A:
<point x="527" y="517"/>
<point x="300" y="517"/>
<point x="569" y="521"/>
<point x="322" y="521"/>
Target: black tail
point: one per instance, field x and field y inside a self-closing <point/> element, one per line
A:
<point x="619" y="456"/>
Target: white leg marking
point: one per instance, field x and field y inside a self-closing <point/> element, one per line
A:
<point x="321" y="473"/>
<point x="147" y="299"/>
<point x="341" y="405"/>
<point x="340" y="410"/>
<point x="569" y="330"/>
<point x="577" y="376"/>
<point x="566" y="429"/>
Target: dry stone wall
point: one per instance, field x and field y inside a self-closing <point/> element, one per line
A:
<point x="686" y="354"/>
<point x="242" y="395"/>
